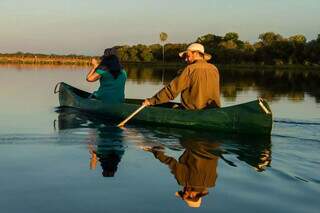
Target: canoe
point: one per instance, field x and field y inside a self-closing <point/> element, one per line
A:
<point x="253" y="117"/>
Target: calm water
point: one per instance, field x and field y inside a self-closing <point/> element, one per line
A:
<point x="72" y="162"/>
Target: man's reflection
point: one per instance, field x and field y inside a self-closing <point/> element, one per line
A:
<point x="255" y="151"/>
<point x="104" y="142"/>
<point x="195" y="171"/>
<point x="196" y="168"/>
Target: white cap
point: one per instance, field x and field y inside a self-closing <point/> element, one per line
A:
<point x="196" y="47"/>
<point x="190" y="203"/>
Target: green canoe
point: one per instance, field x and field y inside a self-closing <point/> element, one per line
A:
<point x="254" y="117"/>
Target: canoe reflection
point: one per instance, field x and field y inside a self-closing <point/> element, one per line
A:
<point x="196" y="169"/>
<point x="107" y="143"/>
<point x="255" y="151"/>
<point x="104" y="143"/>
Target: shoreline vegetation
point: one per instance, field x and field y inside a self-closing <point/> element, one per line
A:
<point x="77" y="60"/>
<point x="271" y="51"/>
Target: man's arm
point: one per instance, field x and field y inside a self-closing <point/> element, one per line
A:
<point x="178" y="169"/>
<point x="170" y="161"/>
<point x="172" y="90"/>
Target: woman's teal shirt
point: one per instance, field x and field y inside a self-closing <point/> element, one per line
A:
<point x="111" y="90"/>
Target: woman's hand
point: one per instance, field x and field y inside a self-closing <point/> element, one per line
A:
<point x="94" y="62"/>
<point x="92" y="76"/>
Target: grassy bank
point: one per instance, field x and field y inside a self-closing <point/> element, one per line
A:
<point x="86" y="61"/>
<point x="46" y="60"/>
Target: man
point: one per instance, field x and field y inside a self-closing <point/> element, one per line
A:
<point x="198" y="83"/>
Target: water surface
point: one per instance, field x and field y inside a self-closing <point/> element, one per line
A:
<point x="69" y="161"/>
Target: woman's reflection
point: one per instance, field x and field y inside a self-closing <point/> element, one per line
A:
<point x="109" y="151"/>
<point x="104" y="142"/>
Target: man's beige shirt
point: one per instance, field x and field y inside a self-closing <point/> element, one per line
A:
<point x="198" y="84"/>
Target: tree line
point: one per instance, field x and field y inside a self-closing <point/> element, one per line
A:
<point x="270" y="49"/>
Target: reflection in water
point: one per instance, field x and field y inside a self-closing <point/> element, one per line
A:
<point x="271" y="83"/>
<point x="142" y="74"/>
<point x="255" y="151"/>
<point x="256" y="154"/>
<point x="195" y="170"/>
<point x="104" y="143"/>
<point x="108" y="152"/>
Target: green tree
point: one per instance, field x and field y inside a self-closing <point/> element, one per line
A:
<point x="298" y="39"/>
<point x="172" y="51"/>
<point x="269" y="37"/>
<point x="133" y="54"/>
<point x="156" y="50"/>
<point x="299" y="43"/>
<point x="211" y="43"/>
<point x="312" y="51"/>
<point x="248" y="51"/>
<point x="229" y="44"/>
<point x="231" y="36"/>
<point x="145" y="53"/>
<point x="123" y="53"/>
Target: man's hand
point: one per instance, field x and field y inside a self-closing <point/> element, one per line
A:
<point x="146" y="102"/>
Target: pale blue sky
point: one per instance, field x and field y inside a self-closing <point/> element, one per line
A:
<point x="89" y="26"/>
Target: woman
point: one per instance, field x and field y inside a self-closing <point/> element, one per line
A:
<point x="111" y="75"/>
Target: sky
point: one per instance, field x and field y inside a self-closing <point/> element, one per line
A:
<point x="89" y="26"/>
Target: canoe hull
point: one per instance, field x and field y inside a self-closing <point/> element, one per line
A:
<point x="247" y="118"/>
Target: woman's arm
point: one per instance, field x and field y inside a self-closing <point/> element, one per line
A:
<point x="92" y="76"/>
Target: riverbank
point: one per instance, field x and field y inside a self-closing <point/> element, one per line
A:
<point x="46" y="59"/>
<point x="56" y="60"/>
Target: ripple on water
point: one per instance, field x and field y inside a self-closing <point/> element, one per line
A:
<point x="299" y="129"/>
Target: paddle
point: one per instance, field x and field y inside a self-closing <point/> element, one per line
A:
<point x="130" y="116"/>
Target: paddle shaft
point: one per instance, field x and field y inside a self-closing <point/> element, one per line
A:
<point x="130" y="116"/>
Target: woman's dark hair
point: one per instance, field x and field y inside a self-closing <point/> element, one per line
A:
<point x="111" y="64"/>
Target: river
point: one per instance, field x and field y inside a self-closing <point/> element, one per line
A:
<point x="74" y="162"/>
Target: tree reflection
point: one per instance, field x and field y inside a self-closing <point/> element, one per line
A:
<point x="271" y="83"/>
